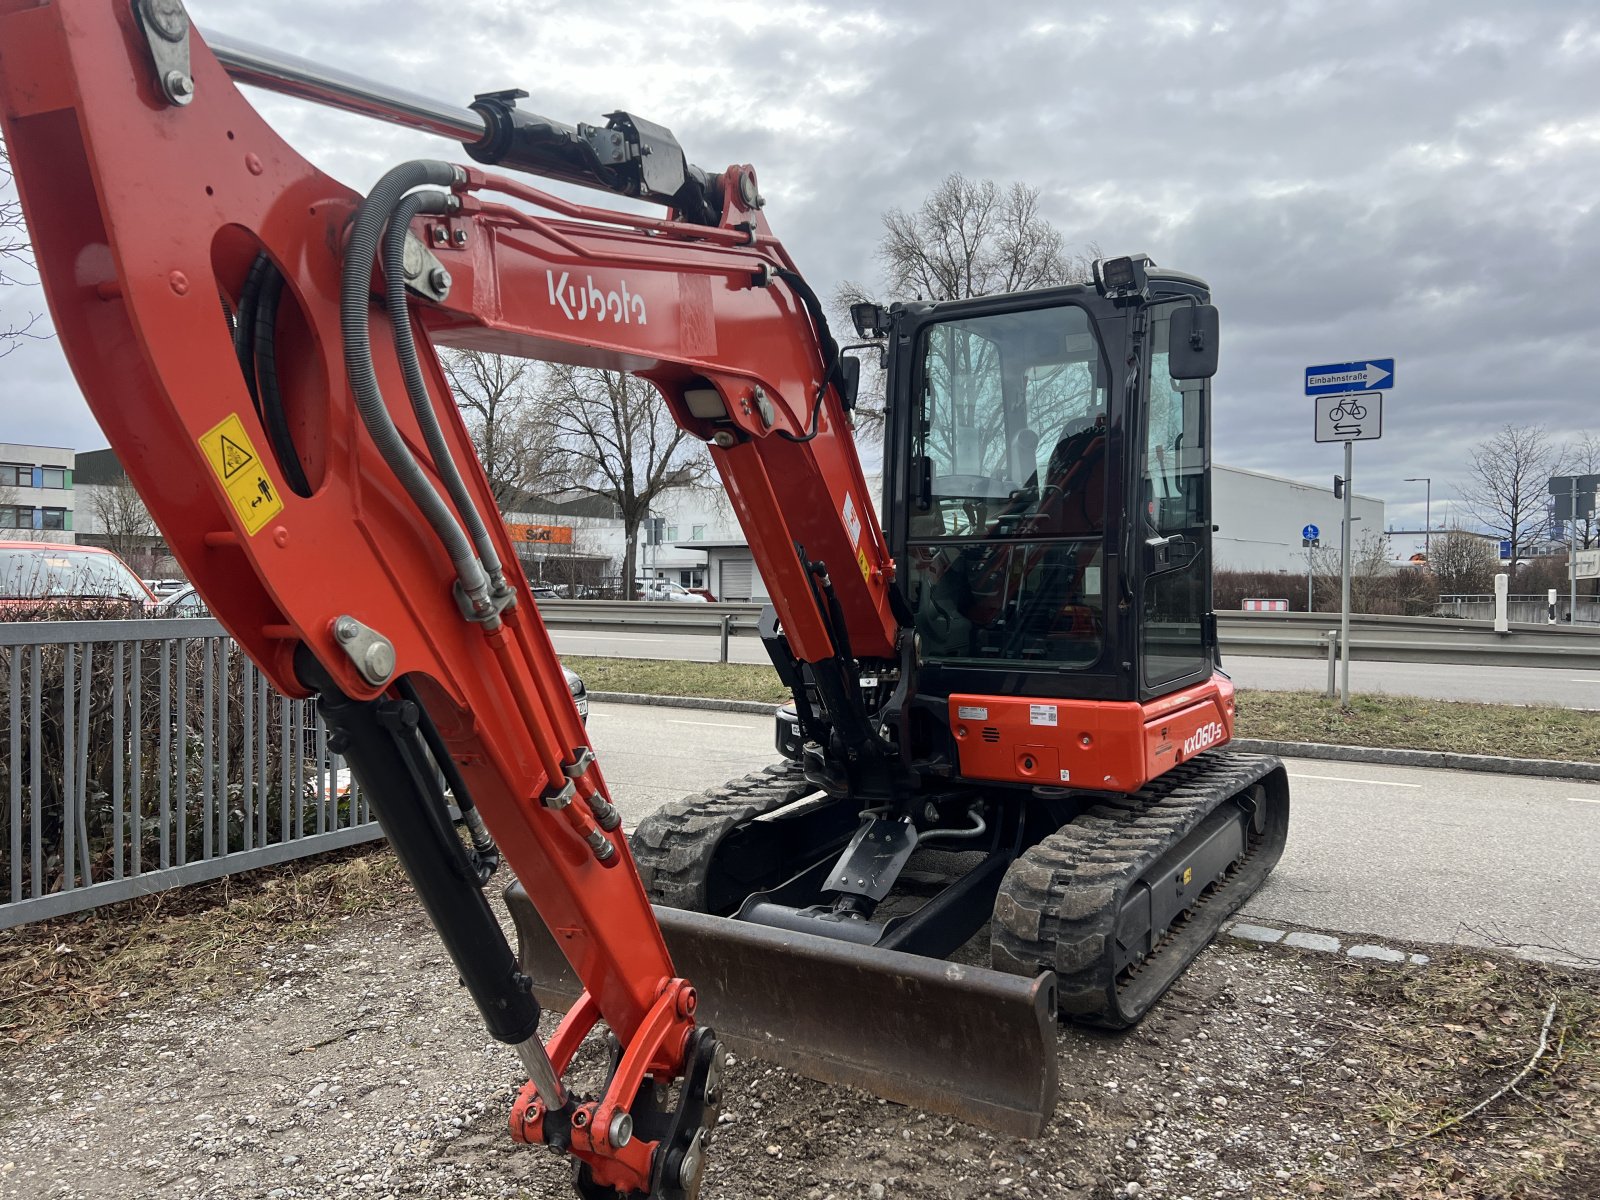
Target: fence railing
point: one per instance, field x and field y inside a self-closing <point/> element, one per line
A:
<point x="139" y="755"/>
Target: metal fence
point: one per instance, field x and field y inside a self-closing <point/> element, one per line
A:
<point x="144" y="754"/>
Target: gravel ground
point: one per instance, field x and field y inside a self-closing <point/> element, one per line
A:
<point x="355" y="1066"/>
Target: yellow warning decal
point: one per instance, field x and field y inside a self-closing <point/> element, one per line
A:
<point x="861" y="561"/>
<point x="243" y="476"/>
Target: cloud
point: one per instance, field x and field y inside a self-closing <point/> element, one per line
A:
<point x="1415" y="181"/>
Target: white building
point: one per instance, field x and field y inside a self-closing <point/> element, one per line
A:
<point x="1259" y="519"/>
<point x="36" y="493"/>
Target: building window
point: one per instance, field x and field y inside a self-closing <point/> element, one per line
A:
<point x="697" y="533"/>
<point x="672" y="533"/>
<point x="14" y="475"/>
<point x="53" y="477"/>
<point x="53" y="518"/>
<point x="14" y="516"/>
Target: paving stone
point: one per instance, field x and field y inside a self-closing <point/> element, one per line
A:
<point x="1381" y="953"/>
<point x="1255" y="933"/>
<point x="1419" y="960"/>
<point x="1312" y="941"/>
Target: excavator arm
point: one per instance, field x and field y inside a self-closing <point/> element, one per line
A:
<point x="256" y="342"/>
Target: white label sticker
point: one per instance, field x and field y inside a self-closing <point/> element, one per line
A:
<point x="852" y="519"/>
<point x="971" y="712"/>
<point x="1066" y="777"/>
<point x="1041" y="714"/>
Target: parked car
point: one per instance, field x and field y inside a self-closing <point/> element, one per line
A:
<point x="87" y="580"/>
<point x="165" y="587"/>
<point x="185" y="602"/>
<point x="672" y="593"/>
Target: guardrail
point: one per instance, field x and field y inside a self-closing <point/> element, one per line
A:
<point x="144" y="754"/>
<point x="1442" y="640"/>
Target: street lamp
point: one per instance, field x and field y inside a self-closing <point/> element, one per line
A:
<point x="1427" y="518"/>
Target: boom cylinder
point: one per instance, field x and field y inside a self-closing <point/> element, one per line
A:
<point x="380" y="740"/>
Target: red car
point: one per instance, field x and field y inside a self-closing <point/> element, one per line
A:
<point x="41" y="576"/>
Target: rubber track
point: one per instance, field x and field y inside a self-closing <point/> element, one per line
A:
<point x="675" y="846"/>
<point x="1059" y="903"/>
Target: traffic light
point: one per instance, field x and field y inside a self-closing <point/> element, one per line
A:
<point x="1338" y="488"/>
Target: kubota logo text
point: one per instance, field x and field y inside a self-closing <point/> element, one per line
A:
<point x="580" y="302"/>
<point x="1208" y="734"/>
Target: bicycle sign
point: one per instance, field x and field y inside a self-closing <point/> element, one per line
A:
<point x="1349" y="418"/>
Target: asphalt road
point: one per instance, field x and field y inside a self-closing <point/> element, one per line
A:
<point x="1418" y="855"/>
<point x="1504" y="685"/>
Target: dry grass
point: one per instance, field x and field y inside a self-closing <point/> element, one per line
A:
<point x="203" y="940"/>
<point x="666" y="677"/>
<point x="1405" y="722"/>
<point x="1445" y="1038"/>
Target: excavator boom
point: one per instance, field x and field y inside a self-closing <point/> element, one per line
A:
<point x="257" y="343"/>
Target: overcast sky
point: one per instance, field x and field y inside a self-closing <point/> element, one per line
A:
<point x="1410" y="180"/>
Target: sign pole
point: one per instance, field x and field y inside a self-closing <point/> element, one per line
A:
<point x="1310" y="574"/>
<point x="1572" y="558"/>
<point x="1344" y="586"/>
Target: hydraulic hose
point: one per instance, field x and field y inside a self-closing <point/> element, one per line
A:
<point x="405" y="348"/>
<point x="355" y="325"/>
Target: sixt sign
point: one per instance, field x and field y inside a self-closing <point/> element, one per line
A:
<point x="1363" y="375"/>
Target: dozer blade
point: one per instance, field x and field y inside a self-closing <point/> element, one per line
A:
<point x="969" y="1042"/>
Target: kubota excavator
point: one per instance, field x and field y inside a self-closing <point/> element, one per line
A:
<point x="1007" y="708"/>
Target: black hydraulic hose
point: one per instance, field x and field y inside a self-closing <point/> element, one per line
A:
<point x="832" y="372"/>
<point x="355" y="324"/>
<point x="244" y="324"/>
<point x="405" y="348"/>
<point x="269" y="401"/>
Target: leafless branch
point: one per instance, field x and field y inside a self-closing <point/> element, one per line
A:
<point x="1450" y="1122"/>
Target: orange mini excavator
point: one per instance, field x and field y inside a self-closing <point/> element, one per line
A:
<point x="1008" y="714"/>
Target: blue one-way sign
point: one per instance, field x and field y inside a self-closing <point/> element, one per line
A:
<point x="1366" y="375"/>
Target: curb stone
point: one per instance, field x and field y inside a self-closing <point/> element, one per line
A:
<point x="1320" y="943"/>
<point x="1490" y="763"/>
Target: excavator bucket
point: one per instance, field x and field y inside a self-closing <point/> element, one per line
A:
<point x="971" y="1043"/>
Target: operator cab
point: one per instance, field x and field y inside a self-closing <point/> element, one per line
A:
<point x="1047" y="487"/>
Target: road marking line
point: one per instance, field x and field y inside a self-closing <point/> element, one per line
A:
<point x="709" y="724"/>
<point x="1584" y="799"/>
<point x="1349" y="779"/>
<point x="607" y="637"/>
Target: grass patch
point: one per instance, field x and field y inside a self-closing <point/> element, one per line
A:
<point x="202" y="940"/>
<point x="1396" y="722"/>
<point x="1409" y="723"/>
<point x="1454" y="1034"/>
<point x="666" y="677"/>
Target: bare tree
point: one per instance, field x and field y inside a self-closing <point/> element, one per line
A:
<point x="16" y="255"/>
<point x="1463" y="563"/>
<point x="125" y="523"/>
<point x="968" y="238"/>
<point x="623" y="445"/>
<point x="512" y="424"/>
<point x="1507" y="489"/>
<point x="974" y="238"/>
